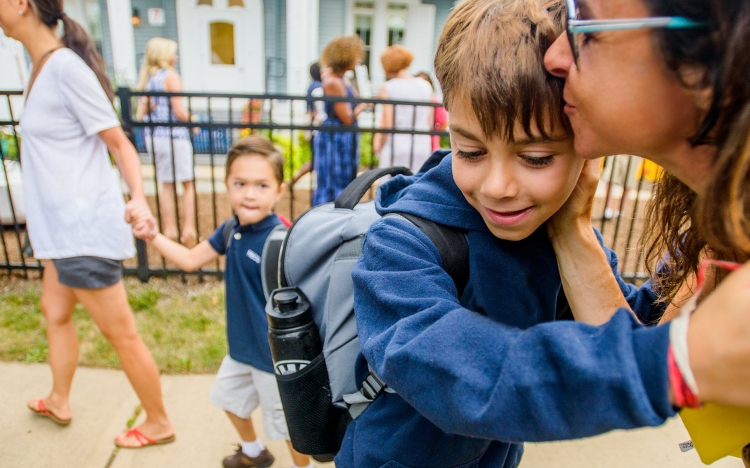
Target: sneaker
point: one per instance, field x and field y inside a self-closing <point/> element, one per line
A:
<point x="241" y="460"/>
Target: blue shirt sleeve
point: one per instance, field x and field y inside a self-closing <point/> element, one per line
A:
<point x="473" y="376"/>
<point x="643" y="300"/>
<point x="217" y="239"/>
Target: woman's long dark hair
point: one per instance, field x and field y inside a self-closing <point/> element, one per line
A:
<point x="74" y="38"/>
<point x="716" y="223"/>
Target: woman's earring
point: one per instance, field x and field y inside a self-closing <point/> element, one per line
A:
<point x="20" y="12"/>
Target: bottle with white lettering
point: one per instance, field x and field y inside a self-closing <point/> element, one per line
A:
<point x="292" y="333"/>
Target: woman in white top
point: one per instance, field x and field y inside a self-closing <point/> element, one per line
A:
<point x="159" y="75"/>
<point x="76" y="216"/>
<point x="403" y="149"/>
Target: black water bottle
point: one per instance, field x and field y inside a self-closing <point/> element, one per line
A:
<point x="292" y="333"/>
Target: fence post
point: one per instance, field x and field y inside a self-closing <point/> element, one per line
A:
<point x="126" y="112"/>
<point x="126" y="115"/>
<point x="142" y="254"/>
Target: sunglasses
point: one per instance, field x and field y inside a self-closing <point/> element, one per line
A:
<point x="576" y="27"/>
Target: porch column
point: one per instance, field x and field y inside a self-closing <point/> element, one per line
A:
<point x="123" y="44"/>
<point x="302" y="43"/>
<point x="379" y="42"/>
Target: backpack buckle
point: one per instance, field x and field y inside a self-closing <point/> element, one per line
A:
<point x="372" y="386"/>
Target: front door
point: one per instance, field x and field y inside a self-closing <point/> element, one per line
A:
<point x="221" y="45"/>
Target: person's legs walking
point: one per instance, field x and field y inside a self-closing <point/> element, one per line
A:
<point x="299" y="459"/>
<point x="110" y="310"/>
<point x="189" y="236"/>
<point x="251" y="451"/>
<point x="167" y="210"/>
<point x="235" y="392"/>
<point x="57" y="304"/>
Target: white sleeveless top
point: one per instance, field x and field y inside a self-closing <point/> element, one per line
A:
<point x="407" y="150"/>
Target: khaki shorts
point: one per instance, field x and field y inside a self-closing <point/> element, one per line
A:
<point x="240" y="388"/>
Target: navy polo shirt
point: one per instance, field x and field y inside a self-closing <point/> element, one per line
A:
<point x="247" y="326"/>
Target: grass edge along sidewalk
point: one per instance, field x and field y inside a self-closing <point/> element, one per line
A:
<point x="183" y="325"/>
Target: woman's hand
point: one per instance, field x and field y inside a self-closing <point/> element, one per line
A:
<point x="719" y="342"/>
<point x="587" y="277"/>
<point x="138" y="214"/>
<point x="576" y="212"/>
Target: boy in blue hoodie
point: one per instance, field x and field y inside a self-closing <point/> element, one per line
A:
<point x="475" y="376"/>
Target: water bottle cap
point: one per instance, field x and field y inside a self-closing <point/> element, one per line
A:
<point x="286" y="301"/>
<point x="290" y="310"/>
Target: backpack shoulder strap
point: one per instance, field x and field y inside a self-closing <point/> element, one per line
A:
<point x="452" y="246"/>
<point x="226" y="232"/>
<point x="356" y="189"/>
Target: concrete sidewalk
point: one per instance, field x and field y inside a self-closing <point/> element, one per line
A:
<point x="103" y="401"/>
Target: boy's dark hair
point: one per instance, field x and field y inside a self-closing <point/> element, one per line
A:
<point x="315" y="71"/>
<point x="257" y="145"/>
<point x="491" y="53"/>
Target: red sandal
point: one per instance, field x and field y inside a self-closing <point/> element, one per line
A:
<point x="142" y="439"/>
<point x="41" y="410"/>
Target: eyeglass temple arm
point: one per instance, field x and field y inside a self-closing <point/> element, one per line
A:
<point x="669" y="22"/>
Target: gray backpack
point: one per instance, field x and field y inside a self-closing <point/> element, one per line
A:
<point x="317" y="257"/>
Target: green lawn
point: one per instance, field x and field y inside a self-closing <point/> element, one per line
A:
<point x="183" y="325"/>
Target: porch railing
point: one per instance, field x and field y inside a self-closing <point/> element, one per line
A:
<point x="220" y="119"/>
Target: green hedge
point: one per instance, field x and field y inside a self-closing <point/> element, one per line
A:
<point x="8" y="148"/>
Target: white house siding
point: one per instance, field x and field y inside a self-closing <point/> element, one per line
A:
<point x="199" y="74"/>
<point x="121" y="33"/>
<point x="302" y="37"/>
<point x="145" y="32"/>
<point x="15" y="69"/>
<point x="425" y="23"/>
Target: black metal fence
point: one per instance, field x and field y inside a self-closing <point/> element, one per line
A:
<point x="218" y="120"/>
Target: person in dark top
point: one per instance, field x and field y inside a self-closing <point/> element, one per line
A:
<point x="316" y="83"/>
<point x="254" y="180"/>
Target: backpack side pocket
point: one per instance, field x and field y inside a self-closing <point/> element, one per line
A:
<point x="316" y="426"/>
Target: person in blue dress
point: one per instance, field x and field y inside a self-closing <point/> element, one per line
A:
<point x="337" y="153"/>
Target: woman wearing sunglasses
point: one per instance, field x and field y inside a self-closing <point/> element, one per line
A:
<point x="668" y="80"/>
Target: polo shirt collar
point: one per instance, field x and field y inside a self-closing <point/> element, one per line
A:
<point x="269" y="221"/>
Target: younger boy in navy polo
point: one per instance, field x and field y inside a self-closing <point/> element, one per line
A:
<point x="254" y="180"/>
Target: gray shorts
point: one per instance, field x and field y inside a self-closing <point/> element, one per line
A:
<point x="88" y="272"/>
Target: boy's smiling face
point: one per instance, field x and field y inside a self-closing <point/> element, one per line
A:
<point x="252" y="188"/>
<point x="515" y="186"/>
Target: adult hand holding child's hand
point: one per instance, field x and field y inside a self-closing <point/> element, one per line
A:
<point x="138" y="214"/>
